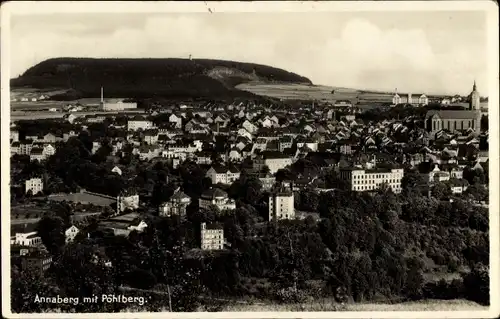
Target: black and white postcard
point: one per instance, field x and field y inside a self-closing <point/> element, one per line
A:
<point x="250" y="159"/>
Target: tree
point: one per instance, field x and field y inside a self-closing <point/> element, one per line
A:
<point x="413" y="180"/>
<point x="80" y="271"/>
<point x="265" y="170"/>
<point x="161" y="193"/>
<point x="51" y="230"/>
<point x="25" y="286"/>
<point x="478" y="192"/>
<point x="477" y="284"/>
<point x="247" y="188"/>
<point x="441" y="191"/>
<point x="414" y="278"/>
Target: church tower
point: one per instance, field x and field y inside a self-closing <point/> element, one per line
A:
<point x="475" y="103"/>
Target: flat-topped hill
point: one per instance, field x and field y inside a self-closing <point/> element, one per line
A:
<point x="143" y="78"/>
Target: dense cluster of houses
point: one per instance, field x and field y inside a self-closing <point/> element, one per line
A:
<point x="272" y="139"/>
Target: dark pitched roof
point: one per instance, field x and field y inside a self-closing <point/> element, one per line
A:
<point x="213" y="193"/>
<point x="452" y="114"/>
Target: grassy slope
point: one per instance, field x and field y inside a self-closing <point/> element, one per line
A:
<point x="328" y="305"/>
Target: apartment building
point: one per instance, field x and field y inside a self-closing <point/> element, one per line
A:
<point x="223" y="175"/>
<point x="212" y="236"/>
<point x="371" y="179"/>
<point x="281" y="204"/>
<point x="274" y="160"/>
<point x="139" y="122"/>
<point x="35" y="185"/>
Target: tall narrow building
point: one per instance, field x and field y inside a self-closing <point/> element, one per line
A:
<point x="281" y="204"/>
<point x="102" y="97"/>
<point x="475" y="99"/>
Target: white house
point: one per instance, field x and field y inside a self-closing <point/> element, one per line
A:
<point x="281" y="205"/>
<point x="71" y="233"/>
<point x="176" y="206"/>
<point x="127" y="200"/>
<point x="139" y="122"/>
<point x="28" y="239"/>
<point x="212" y="236"/>
<point x="249" y="126"/>
<point x="175" y="119"/>
<point x="116" y="170"/>
<point x="274" y="160"/>
<point x="35" y="185"/>
<point x="223" y="175"/>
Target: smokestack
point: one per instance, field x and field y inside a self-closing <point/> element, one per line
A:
<point x="102" y="94"/>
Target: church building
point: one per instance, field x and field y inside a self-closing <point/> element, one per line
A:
<point x="456" y="121"/>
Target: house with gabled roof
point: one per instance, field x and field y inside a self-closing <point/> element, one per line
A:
<point x="176" y="205"/>
<point x="223" y="174"/>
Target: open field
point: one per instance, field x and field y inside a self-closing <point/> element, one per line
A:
<point x="83" y="198"/>
<point x="315" y="92"/>
<point x="327" y="305"/>
<point x="19" y="116"/>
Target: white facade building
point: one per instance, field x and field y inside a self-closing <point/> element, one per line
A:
<point x="28" y="239"/>
<point x="139" y="122"/>
<point x="124" y="201"/>
<point x="370" y="179"/>
<point x="274" y="162"/>
<point x="35" y="185"/>
<point x="223" y="175"/>
<point x="212" y="237"/>
<point x="281" y="205"/>
<point x="176" y="206"/>
<point x="71" y="233"/>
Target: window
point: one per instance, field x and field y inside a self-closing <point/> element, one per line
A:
<point x="462" y="125"/>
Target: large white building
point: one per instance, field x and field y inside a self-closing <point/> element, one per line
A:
<point x="274" y="160"/>
<point x="281" y="205"/>
<point x="223" y="175"/>
<point x="417" y="99"/>
<point x="212" y="237"/>
<point x="370" y="179"/>
<point x="35" y="185"/>
<point x="139" y="122"/>
<point x="116" y="104"/>
<point x="30" y="238"/>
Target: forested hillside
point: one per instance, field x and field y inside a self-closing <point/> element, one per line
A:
<point x="141" y="78"/>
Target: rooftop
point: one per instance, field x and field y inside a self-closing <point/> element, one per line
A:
<point x="213" y="193"/>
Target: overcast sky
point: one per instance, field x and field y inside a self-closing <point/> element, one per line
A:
<point x="418" y="52"/>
